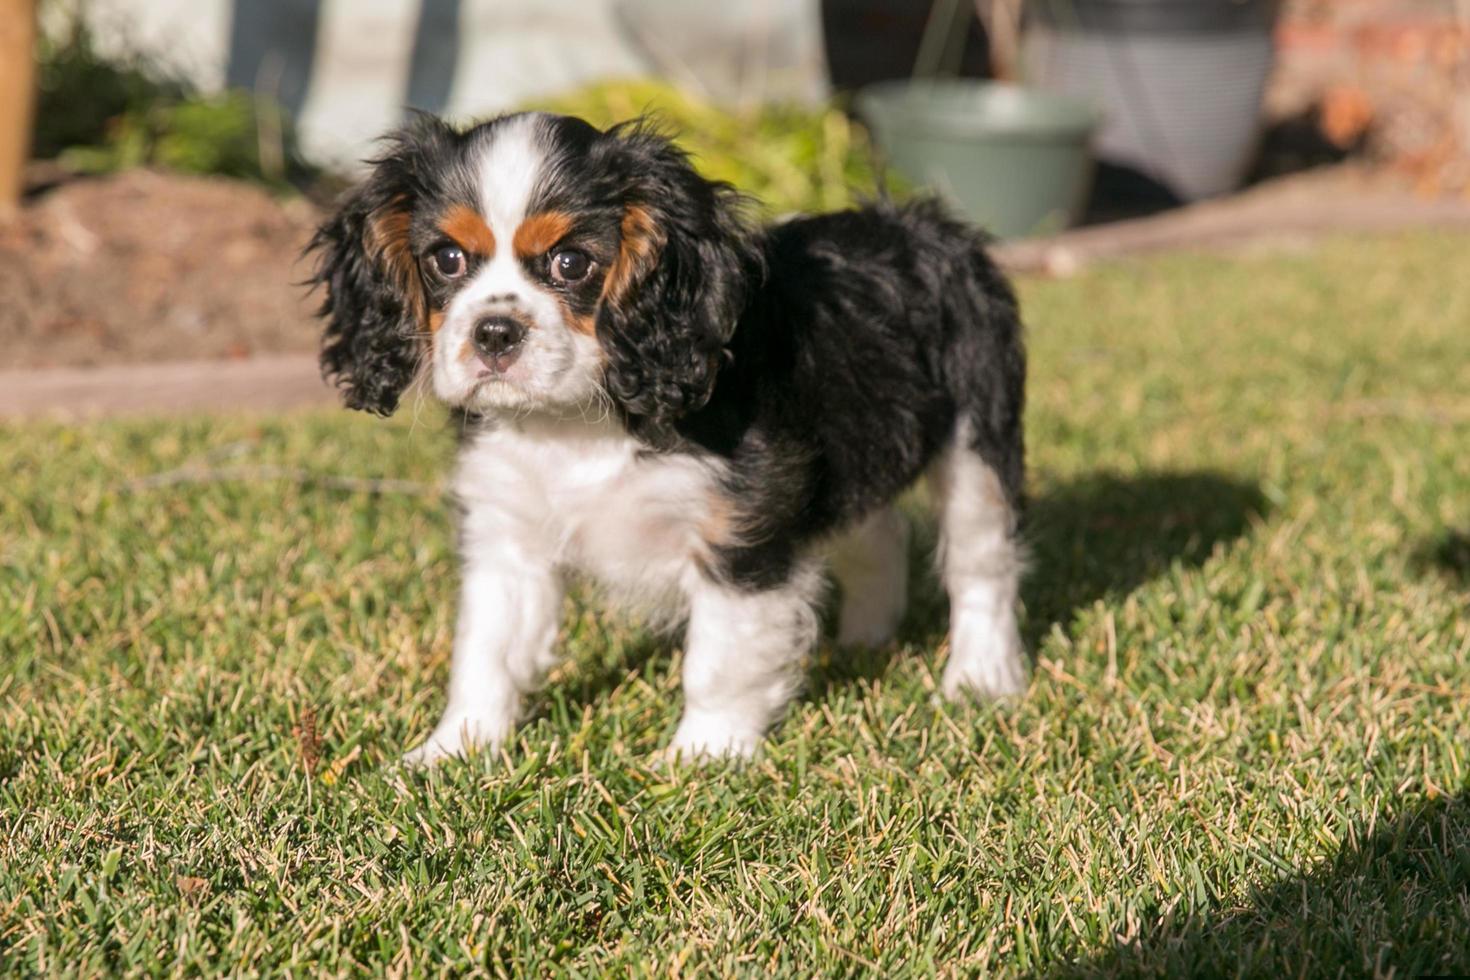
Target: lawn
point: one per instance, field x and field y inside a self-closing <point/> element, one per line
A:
<point x="1246" y="748"/>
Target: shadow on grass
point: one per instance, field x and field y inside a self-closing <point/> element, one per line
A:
<point x="1101" y="535"/>
<point x="638" y="650"/>
<point x="1106" y="535"/>
<point x="1449" y="555"/>
<point x="1395" y="901"/>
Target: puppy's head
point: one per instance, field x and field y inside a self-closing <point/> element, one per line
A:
<point x="533" y="263"/>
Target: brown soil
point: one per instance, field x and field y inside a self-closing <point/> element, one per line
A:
<point x="145" y="266"/>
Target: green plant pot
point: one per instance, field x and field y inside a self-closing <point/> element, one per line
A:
<point x="1014" y="160"/>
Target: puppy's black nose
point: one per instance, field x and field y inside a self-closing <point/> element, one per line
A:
<point x="496" y="336"/>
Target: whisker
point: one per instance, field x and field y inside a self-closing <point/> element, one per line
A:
<point x="598" y="400"/>
<point x="419" y="387"/>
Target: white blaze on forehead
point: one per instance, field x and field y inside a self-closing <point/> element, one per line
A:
<point x="511" y="159"/>
<point x="557" y="366"/>
<point x="511" y="164"/>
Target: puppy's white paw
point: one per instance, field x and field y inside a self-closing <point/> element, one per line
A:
<point x="429" y="753"/>
<point x="455" y="738"/>
<point x="986" y="665"/>
<point x="703" y="736"/>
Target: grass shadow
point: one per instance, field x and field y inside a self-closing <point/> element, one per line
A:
<point x="1448" y="555"/>
<point x="627" y="647"/>
<point x="1100" y="535"/>
<point x="1395" y="901"/>
<point x="1107" y="534"/>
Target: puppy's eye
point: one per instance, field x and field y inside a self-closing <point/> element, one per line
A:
<point x="449" y="261"/>
<point x="570" y="265"/>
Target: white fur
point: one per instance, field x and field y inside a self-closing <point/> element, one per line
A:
<point x="871" y="562"/>
<point x="509" y="168"/>
<point x="558" y="366"/>
<point x="982" y="567"/>
<point x="544" y="498"/>
<point x="742" y="663"/>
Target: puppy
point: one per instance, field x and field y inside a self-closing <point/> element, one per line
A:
<point x="691" y="411"/>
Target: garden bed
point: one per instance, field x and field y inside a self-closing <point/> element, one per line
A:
<point x="145" y="266"/>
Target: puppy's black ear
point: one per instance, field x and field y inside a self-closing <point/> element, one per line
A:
<point x="375" y="307"/>
<point x="684" y="270"/>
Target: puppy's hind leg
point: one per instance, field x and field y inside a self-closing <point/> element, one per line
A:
<point x="981" y="564"/>
<point x="872" y="564"/>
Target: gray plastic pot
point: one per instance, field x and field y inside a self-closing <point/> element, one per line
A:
<point x="1180" y="81"/>
<point x="1014" y="160"/>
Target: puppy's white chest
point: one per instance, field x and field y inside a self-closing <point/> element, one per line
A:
<point x="586" y="497"/>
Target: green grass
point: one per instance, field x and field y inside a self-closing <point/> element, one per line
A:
<point x="1245" y="748"/>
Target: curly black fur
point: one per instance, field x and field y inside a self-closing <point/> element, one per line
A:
<point x="825" y="358"/>
<point x="664" y="341"/>
<point x="876" y="331"/>
<point x="372" y="343"/>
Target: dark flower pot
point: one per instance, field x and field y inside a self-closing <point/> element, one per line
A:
<point x="1179" y="81"/>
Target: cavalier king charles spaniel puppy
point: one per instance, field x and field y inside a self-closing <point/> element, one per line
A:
<point x="696" y="413"/>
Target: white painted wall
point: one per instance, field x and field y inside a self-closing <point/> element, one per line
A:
<point x="509" y="51"/>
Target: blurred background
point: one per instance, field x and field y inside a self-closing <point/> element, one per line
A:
<point x="163" y="161"/>
<point x="1239" y="231"/>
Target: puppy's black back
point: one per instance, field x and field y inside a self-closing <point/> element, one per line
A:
<point x="877" y="330"/>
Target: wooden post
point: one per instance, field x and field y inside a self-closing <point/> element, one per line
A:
<point x="17" y="96"/>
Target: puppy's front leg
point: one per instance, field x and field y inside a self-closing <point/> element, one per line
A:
<point x="742" y="662"/>
<point x="503" y="643"/>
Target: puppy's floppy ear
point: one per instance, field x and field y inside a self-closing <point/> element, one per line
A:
<point x="683" y="273"/>
<point x="375" y="307"/>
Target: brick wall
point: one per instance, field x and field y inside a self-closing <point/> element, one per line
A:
<point x="1390" y="78"/>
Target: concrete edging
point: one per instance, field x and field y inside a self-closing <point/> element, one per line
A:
<point x="265" y="383"/>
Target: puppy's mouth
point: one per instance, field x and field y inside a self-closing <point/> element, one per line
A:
<point x="493" y="366"/>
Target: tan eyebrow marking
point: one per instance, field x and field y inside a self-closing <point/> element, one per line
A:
<point x="541" y="231"/>
<point x="468" y="230"/>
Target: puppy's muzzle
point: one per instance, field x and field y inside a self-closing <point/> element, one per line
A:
<point x="498" y="341"/>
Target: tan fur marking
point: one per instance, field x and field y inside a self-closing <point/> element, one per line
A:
<point x="387" y="236"/>
<point x="541" y="231"/>
<point x="469" y="230"/>
<point x="719" y="527"/>
<point x="581" y="323"/>
<point x="641" y="242"/>
<point x="436" y="320"/>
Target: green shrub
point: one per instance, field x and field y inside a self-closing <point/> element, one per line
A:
<point x="789" y="158"/>
<point x="197" y="135"/>
<point x="101" y="114"/>
<point x="80" y="94"/>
